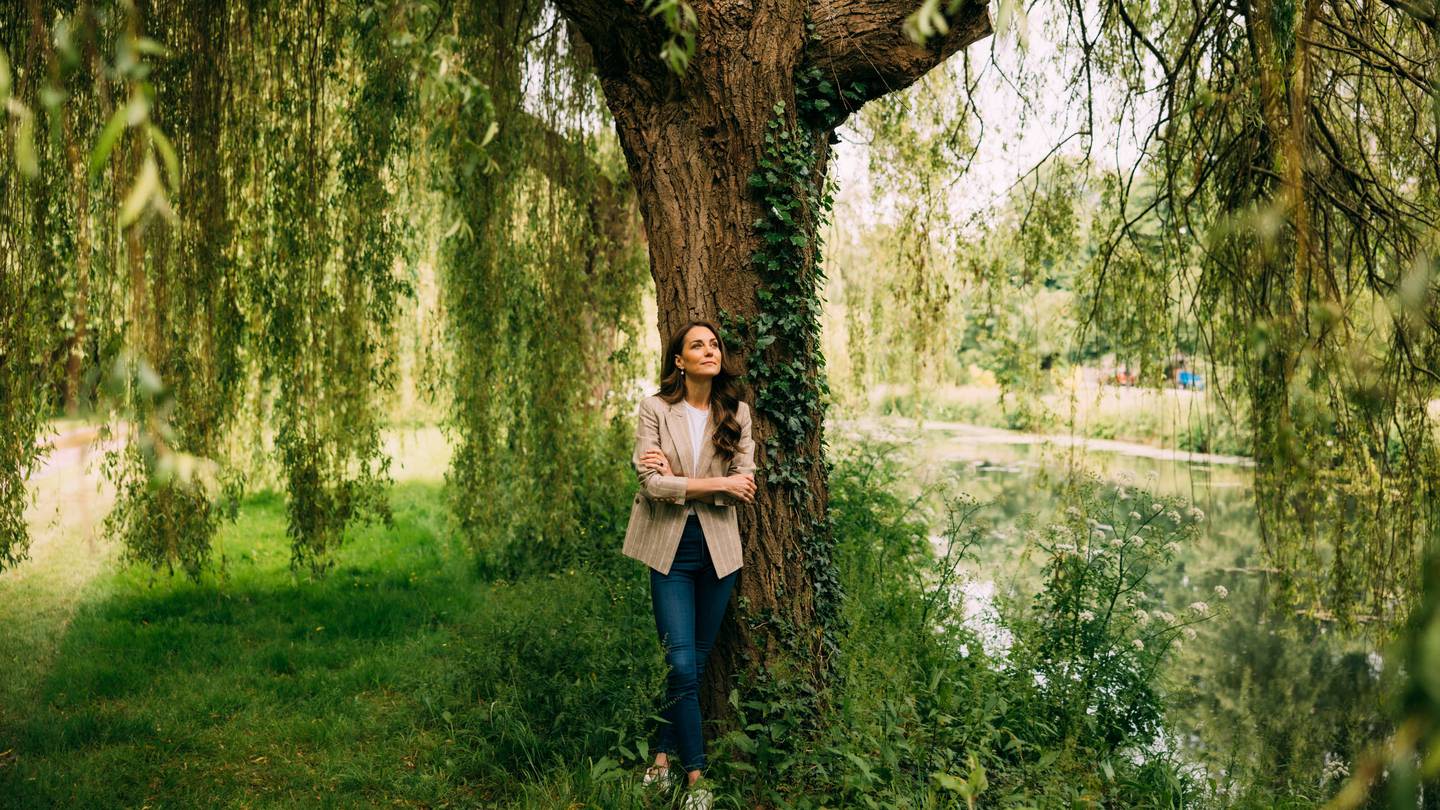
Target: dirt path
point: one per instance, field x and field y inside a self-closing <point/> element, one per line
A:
<point x="39" y="596"/>
<point x="978" y="434"/>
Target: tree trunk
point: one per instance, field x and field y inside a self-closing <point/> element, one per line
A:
<point x="691" y="143"/>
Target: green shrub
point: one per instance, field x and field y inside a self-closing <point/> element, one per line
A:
<point x="1094" y="638"/>
<point x="929" y="711"/>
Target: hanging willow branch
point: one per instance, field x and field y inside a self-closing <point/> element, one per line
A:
<point x="208" y="238"/>
<point x="1295" y="171"/>
<point x="256" y="239"/>
<point x="543" y="273"/>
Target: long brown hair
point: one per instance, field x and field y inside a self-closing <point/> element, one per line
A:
<point x="724" y="391"/>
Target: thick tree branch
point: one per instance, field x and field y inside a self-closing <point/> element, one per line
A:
<point x="595" y="18"/>
<point x="864" y="41"/>
<point x="623" y="39"/>
<point x="1415" y="10"/>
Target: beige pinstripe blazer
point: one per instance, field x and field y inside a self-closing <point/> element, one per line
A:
<point x="658" y="516"/>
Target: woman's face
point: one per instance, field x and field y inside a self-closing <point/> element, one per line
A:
<point x="699" y="353"/>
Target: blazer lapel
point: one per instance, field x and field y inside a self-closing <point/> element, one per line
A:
<point x="680" y="438"/>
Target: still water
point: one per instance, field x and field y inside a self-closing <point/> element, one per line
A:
<point x="1260" y="695"/>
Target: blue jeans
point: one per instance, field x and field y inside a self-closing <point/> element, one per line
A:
<point x="689" y="603"/>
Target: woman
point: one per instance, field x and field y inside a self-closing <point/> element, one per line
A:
<point x="696" y="462"/>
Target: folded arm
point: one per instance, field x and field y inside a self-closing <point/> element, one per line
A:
<point x="655" y="486"/>
<point x="677" y="489"/>
<point x="743" y="462"/>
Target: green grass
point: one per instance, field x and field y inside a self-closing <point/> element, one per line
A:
<point x="398" y="678"/>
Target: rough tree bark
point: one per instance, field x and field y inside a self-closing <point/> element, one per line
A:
<point x="691" y="143"/>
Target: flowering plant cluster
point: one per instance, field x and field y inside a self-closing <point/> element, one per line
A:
<point x="1094" y="637"/>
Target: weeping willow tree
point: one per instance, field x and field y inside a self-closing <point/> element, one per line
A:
<point x="209" y="205"/>
<point x="727" y="139"/>
<point x="1292" y="207"/>
<point x="543" y="266"/>
<point x="211" y="209"/>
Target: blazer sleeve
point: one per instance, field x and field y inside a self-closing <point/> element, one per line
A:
<point x="653" y="485"/>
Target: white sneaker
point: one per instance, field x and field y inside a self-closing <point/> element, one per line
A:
<point x="697" y="798"/>
<point x="656" y="775"/>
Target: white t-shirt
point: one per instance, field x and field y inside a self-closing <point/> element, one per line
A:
<point x="698" y="418"/>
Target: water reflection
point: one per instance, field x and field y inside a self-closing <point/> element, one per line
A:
<point x="1268" y="703"/>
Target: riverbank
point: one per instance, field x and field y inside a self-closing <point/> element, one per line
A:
<point x="1168" y="418"/>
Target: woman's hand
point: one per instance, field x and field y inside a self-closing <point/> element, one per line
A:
<point x="740" y="485"/>
<point x="655" y="460"/>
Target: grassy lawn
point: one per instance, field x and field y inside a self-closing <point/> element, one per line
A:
<point x="257" y="687"/>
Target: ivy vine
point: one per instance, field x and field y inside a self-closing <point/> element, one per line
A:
<point x="786" y="366"/>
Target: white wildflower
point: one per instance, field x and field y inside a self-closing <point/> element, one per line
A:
<point x="1134" y="515"/>
<point x="1196" y="515"/>
<point x="1141" y="616"/>
<point x="1164" y="616"/>
<point x="1117" y="542"/>
<point x="1189" y="633"/>
<point x="1221" y="591"/>
<point x="1087" y="616"/>
<point x="1172" y="547"/>
<point x="1072" y="511"/>
<point x="1334" y="768"/>
<point x="1097" y="535"/>
<point x="1172" y="516"/>
<point x="1199" y="607"/>
<point x="1136" y="540"/>
<point x="1138" y="644"/>
<point x="1157" y="508"/>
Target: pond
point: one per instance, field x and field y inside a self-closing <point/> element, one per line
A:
<point x="1260" y="696"/>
